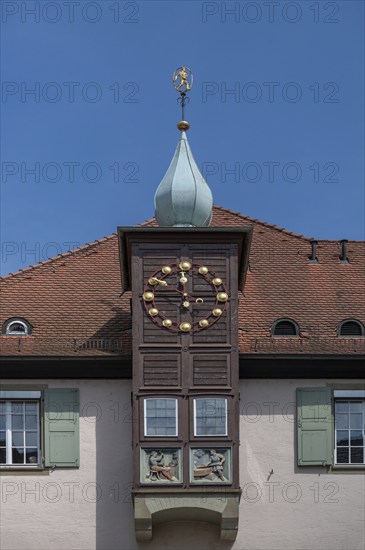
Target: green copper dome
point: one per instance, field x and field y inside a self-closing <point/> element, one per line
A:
<point x="183" y="198"/>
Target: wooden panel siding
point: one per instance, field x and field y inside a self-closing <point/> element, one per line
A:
<point x="210" y="370"/>
<point x="161" y="369"/>
<point x="182" y="365"/>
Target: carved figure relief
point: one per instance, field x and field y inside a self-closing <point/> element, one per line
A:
<point x="161" y="466"/>
<point x="211" y="465"/>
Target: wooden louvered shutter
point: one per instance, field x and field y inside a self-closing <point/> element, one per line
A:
<point x="61" y="427"/>
<point x="315" y="426"/>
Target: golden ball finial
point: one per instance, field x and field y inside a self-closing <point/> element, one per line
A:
<point x="183" y="125"/>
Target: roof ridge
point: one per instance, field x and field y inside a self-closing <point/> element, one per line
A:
<point x="339" y="240"/>
<point x="146" y="222"/>
<point x="71" y="252"/>
<point x="248" y="218"/>
<point x="283" y="230"/>
<point x="260" y="222"/>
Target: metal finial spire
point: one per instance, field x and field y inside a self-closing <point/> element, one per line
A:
<point x="182" y="80"/>
<point x="183" y="198"/>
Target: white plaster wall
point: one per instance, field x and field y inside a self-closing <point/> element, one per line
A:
<point x="83" y="508"/>
<point x="296" y="509"/>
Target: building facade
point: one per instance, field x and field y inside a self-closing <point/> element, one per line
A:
<point x="259" y="438"/>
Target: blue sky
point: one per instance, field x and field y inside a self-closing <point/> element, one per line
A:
<point x="285" y="146"/>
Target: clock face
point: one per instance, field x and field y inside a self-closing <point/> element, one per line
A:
<point x="194" y="291"/>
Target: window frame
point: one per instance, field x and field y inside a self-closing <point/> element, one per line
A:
<point x="6" y="330"/>
<point x="195" y="434"/>
<point x="315" y="441"/>
<point x="8" y="397"/>
<point x="348" y="396"/>
<point x="167" y="398"/>
<point x="344" y="322"/>
<point x="56" y="419"/>
<point x="288" y="320"/>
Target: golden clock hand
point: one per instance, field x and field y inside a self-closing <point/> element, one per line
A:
<point x="183" y="279"/>
<point x="155" y="281"/>
<point x="183" y="293"/>
<point x="186" y="294"/>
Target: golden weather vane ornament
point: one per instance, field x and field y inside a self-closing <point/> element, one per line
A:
<point x="186" y="79"/>
<point x="182" y="80"/>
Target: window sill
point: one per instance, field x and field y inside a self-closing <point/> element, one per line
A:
<point x="164" y="438"/>
<point x="347" y="468"/>
<point x="14" y="470"/>
<point x="16" y="335"/>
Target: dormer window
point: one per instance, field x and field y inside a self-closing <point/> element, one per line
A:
<point x="17" y="327"/>
<point x="351" y="329"/>
<point x="285" y="327"/>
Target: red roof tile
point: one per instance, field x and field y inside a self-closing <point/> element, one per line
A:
<point x="75" y="306"/>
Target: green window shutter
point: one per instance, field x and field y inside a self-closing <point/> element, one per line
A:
<point x="315" y="426"/>
<point x="61" y="427"/>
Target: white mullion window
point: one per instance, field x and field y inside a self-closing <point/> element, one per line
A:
<point x="160" y="417"/>
<point x="210" y="416"/>
<point x="19" y="432"/>
<point x="8" y="431"/>
<point x="349" y="432"/>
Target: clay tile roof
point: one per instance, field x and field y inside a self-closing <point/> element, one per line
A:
<point x="74" y="303"/>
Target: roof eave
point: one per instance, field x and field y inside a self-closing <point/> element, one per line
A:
<point x="241" y="235"/>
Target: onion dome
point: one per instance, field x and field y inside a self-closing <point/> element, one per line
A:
<point x="183" y="198"/>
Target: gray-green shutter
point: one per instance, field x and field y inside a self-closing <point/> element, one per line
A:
<point x="315" y="426"/>
<point x="61" y="427"/>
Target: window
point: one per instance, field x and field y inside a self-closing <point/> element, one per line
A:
<point x="351" y="328"/>
<point x="331" y="427"/>
<point x="20" y="429"/>
<point x="210" y="416"/>
<point x="285" y="327"/>
<point x="21" y="442"/>
<point x="17" y="327"/>
<point x="349" y="431"/>
<point x="160" y="417"/>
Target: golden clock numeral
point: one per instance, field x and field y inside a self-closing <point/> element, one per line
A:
<point x="185" y="266"/>
<point x="185" y="327"/>
<point x="148" y="296"/>
<point x="222" y="297"/>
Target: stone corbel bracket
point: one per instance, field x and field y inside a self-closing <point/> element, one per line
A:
<point x="219" y="507"/>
